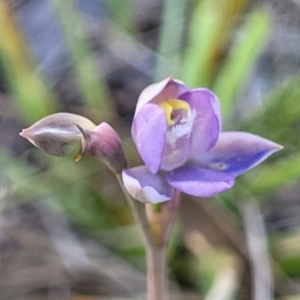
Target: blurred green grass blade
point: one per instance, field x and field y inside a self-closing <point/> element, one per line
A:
<point x="219" y="273"/>
<point x="77" y="171"/>
<point x="69" y="188"/>
<point x="27" y="182"/>
<point x="271" y="177"/>
<point x="34" y="98"/>
<point x="202" y="35"/>
<point x="280" y="112"/>
<point x="84" y="207"/>
<point x="121" y="13"/>
<point x="278" y="120"/>
<point x="242" y="59"/>
<point x="286" y="249"/>
<point x="209" y="32"/>
<point x="123" y="238"/>
<point x="90" y="80"/>
<point x="170" y="40"/>
<point x="22" y="177"/>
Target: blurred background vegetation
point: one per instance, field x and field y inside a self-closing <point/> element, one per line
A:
<point x="65" y="230"/>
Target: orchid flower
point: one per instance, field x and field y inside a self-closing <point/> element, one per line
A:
<point x="177" y="131"/>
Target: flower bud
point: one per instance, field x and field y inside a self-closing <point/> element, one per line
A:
<point x="65" y="134"/>
<point x="59" y="135"/>
<point x="104" y="142"/>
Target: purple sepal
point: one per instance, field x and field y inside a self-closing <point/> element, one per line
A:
<point x="207" y="124"/>
<point x="149" y="130"/>
<point x="237" y="152"/>
<point x="200" y="182"/>
<point x="146" y="187"/>
<point x="168" y="88"/>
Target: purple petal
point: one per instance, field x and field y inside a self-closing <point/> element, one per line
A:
<point x="149" y="133"/>
<point x="161" y="91"/>
<point x="237" y="152"/>
<point x="200" y="182"/>
<point x="207" y="124"/>
<point x="146" y="187"/>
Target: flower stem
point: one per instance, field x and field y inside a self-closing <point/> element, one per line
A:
<point x="157" y="282"/>
<point x="161" y="222"/>
<point x="156" y="228"/>
<point x="138" y="214"/>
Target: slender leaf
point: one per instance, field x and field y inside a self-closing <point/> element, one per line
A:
<point x="279" y="113"/>
<point x="121" y="13"/>
<point x="87" y="69"/>
<point x="170" y="40"/>
<point x="210" y="30"/>
<point x="269" y="178"/>
<point x="242" y="59"/>
<point x="33" y="97"/>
